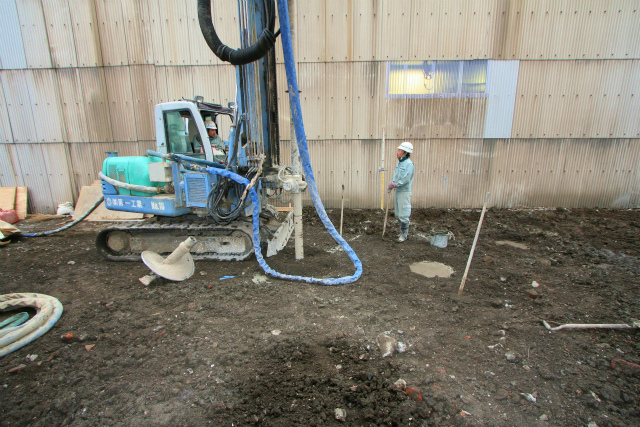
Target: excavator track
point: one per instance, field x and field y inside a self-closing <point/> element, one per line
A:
<point x="126" y="241"/>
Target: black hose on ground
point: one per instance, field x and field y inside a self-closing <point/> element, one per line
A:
<point x="71" y="224"/>
<point x="236" y="56"/>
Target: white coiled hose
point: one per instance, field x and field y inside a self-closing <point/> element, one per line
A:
<point x="49" y="311"/>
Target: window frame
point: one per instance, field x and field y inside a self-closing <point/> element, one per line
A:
<point x="457" y="94"/>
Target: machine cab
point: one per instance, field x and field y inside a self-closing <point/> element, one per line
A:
<point x="180" y="128"/>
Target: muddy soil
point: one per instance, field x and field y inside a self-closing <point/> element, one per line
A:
<point x="254" y="350"/>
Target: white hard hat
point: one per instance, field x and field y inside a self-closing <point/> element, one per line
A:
<point x="406" y="146"/>
<point x="210" y="124"/>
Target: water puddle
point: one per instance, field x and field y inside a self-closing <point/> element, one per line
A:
<point x="431" y="269"/>
<point x="512" y="244"/>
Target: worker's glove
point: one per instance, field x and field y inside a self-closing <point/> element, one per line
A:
<point x="392" y="185"/>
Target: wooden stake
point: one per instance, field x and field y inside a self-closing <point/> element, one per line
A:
<point x="386" y="215"/>
<point x="473" y="247"/>
<point x="342" y="210"/>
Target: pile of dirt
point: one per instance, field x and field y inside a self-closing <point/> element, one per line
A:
<point x="254" y="350"/>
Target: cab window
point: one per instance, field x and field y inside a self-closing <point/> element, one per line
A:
<point x="182" y="133"/>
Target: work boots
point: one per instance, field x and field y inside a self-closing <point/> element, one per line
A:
<point x="404" y="232"/>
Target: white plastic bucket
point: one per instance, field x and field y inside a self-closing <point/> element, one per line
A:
<point x="440" y="240"/>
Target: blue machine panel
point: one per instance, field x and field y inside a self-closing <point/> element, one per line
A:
<point x="147" y="205"/>
<point x="197" y="187"/>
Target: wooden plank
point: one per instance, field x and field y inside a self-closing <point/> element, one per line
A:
<point x="21" y="202"/>
<point x="89" y="195"/>
<point x="7" y="198"/>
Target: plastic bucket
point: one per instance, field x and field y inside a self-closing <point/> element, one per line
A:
<point x="440" y="240"/>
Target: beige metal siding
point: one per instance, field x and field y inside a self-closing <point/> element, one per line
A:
<point x="366" y="31"/>
<point x="60" y="33"/>
<point x="175" y="27"/>
<point x="137" y="32"/>
<point x="145" y="97"/>
<point x="311" y="30"/>
<point x="566" y="99"/>
<point x="313" y="87"/>
<point x="44" y="106"/>
<point x="457" y="173"/>
<point x="96" y="104"/>
<point x="338" y="104"/>
<point x="72" y="106"/>
<point x="6" y="135"/>
<point x="86" y="34"/>
<point x="121" y="104"/>
<point x="7" y="173"/>
<point x="367" y="99"/>
<point x="34" y="33"/>
<point x="18" y="105"/>
<point x="338" y="31"/>
<point x="395" y="27"/>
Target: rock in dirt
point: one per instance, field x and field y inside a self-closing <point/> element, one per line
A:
<point x="341" y="414"/>
<point x="387" y="344"/>
<point x="611" y="393"/>
<point x="511" y="356"/>
<point x="496" y="303"/>
<point x="501" y="394"/>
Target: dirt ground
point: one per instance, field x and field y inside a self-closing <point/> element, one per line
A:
<point x="254" y="350"/>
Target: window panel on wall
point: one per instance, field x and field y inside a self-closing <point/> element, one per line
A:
<point x="34" y="33"/>
<point x="437" y="79"/>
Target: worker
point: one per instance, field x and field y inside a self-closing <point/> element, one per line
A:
<point x="402" y="179"/>
<point x="217" y="146"/>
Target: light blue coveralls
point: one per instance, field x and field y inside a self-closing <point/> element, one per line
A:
<point x="219" y="145"/>
<point x="403" y="176"/>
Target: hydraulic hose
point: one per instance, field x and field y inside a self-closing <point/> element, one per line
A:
<point x="236" y="56"/>
<point x="49" y="311"/>
<point x="256" y="239"/>
<point x="296" y="114"/>
<point x="126" y="186"/>
<point x="71" y="224"/>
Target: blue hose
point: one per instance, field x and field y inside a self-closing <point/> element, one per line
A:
<point x="296" y="114"/>
<point x="256" y="238"/>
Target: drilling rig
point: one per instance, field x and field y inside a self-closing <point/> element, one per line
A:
<point x="187" y="202"/>
<point x="221" y="194"/>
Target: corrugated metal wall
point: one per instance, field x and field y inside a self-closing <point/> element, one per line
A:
<point x="80" y="77"/>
